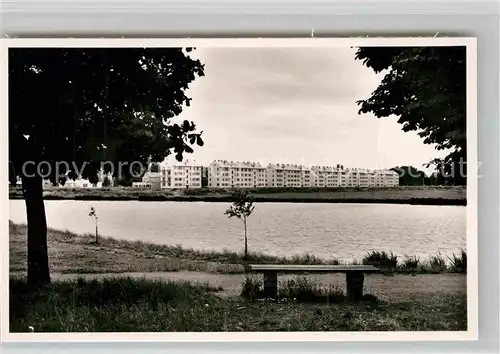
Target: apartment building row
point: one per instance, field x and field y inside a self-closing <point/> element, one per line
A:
<point x="230" y="174"/>
<point x="226" y="174"/>
<point x="327" y="176"/>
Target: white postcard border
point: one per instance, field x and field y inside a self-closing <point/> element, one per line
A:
<point x="472" y="192"/>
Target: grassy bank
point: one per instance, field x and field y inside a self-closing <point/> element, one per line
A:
<point x="421" y="195"/>
<point x="123" y="305"/>
<point x="77" y="253"/>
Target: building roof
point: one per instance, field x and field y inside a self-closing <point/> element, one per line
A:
<point x="150" y="174"/>
<point x="236" y="164"/>
<point x="290" y="167"/>
<point x="185" y="162"/>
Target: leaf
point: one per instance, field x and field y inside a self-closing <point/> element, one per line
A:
<point x="192" y="138"/>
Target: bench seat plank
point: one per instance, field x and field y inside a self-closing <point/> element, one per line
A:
<point x="291" y="268"/>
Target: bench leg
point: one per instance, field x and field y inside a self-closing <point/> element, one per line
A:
<point x="271" y="284"/>
<point x="355" y="285"/>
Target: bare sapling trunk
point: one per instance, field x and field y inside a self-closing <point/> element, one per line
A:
<point x="38" y="260"/>
<point x="94" y="216"/>
<point x="246" y="240"/>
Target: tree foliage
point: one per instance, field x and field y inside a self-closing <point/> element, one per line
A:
<point x="93" y="215"/>
<point x="99" y="104"/>
<point x="425" y="87"/>
<point x="241" y="208"/>
<point x="204" y="177"/>
<point x="83" y="106"/>
<point x="155" y="167"/>
<point x="106" y="181"/>
<point x="410" y="176"/>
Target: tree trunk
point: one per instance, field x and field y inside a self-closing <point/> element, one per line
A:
<point x="96" y="234"/>
<point x="246" y="241"/>
<point x="38" y="260"/>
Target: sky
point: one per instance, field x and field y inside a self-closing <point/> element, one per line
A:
<point x="294" y="105"/>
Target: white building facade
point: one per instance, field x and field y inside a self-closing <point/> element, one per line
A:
<point x="152" y="180"/>
<point x="355" y="177"/>
<point x="384" y="178"/>
<point x="363" y="178"/>
<point x="288" y="175"/>
<point x="182" y="175"/>
<point x="236" y="174"/>
<point x="326" y="176"/>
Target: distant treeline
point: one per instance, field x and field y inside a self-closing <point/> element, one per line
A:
<point x="412" y="176"/>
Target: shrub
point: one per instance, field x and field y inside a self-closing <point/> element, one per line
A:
<point x="411" y="264"/>
<point x="306" y="258"/>
<point x="437" y="261"/>
<point x="437" y="264"/>
<point x="251" y="288"/>
<point x="458" y="264"/>
<point x="383" y="260"/>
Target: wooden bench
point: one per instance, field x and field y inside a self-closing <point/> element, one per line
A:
<point x="354" y="276"/>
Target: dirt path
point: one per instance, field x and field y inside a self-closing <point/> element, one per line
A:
<point x="394" y="288"/>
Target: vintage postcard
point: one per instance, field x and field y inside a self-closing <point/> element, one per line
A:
<point x="240" y="189"/>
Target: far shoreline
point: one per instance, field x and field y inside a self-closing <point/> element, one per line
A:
<point x="412" y="195"/>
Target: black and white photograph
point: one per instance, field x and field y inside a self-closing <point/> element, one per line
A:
<point x="243" y="185"/>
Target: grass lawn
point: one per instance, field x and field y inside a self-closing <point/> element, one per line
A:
<point x="123" y="305"/>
